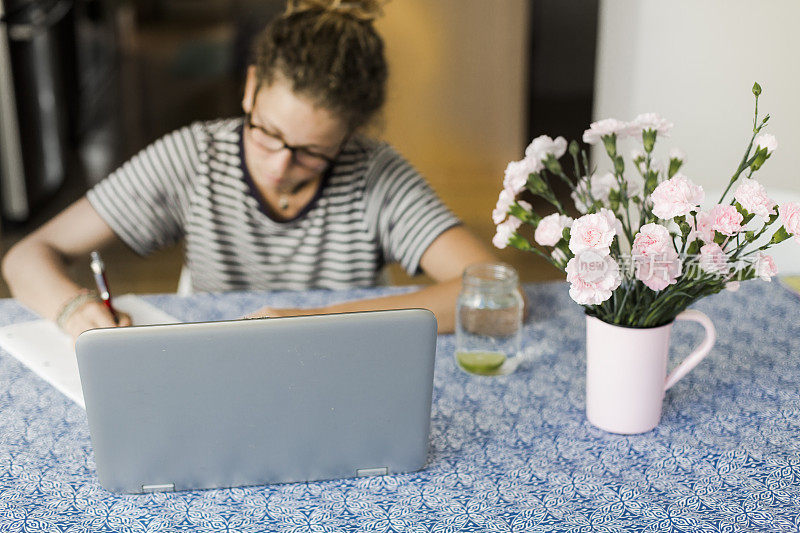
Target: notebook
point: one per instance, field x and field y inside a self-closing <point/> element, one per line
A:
<point x="250" y="402"/>
<point x="50" y="353"/>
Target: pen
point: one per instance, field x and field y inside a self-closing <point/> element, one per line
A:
<point x="99" y="270"/>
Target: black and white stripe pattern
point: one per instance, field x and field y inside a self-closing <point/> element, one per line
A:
<point x="374" y="208"/>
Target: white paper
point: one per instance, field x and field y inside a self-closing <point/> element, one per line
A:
<point x="50" y="352"/>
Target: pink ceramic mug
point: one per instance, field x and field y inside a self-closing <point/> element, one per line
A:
<point x="626" y="372"/>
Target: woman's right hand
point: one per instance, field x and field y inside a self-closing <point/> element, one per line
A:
<point x="93" y="315"/>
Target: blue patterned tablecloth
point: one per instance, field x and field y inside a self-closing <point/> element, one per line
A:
<point x="510" y="453"/>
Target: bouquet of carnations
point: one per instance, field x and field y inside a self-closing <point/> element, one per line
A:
<point x="643" y="249"/>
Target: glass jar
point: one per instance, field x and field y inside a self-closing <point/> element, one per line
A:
<point x="489" y="320"/>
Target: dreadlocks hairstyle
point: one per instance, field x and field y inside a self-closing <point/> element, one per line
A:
<point x="329" y="51"/>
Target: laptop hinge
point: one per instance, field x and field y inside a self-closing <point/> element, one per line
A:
<point x="162" y="487"/>
<point x="380" y="471"/>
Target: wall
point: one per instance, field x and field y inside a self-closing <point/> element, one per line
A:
<point x="694" y="62"/>
<point x="456" y="104"/>
<point x="457" y="83"/>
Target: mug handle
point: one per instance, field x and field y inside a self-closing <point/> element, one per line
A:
<point x="699" y="353"/>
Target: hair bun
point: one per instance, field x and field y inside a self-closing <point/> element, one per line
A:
<point x="364" y="10"/>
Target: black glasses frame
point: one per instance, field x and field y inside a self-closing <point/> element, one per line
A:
<point x="286" y="146"/>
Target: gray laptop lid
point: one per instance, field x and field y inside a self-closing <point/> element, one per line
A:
<point x="248" y="402"/>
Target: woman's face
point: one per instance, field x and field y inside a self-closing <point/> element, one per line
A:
<point x="288" y="140"/>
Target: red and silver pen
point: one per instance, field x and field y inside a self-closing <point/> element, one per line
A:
<point x="99" y="270"/>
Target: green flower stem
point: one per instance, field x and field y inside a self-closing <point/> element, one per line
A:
<point x="755" y="238"/>
<point x="759" y="249"/>
<point x="628" y="228"/>
<point x="560" y="173"/>
<point x="651" y="319"/>
<point x="589" y="171"/>
<point x="745" y="163"/>
<point x="690" y="291"/>
<point x="576" y="165"/>
<point x="540" y="186"/>
<point x="686" y="240"/>
<point x="541" y="254"/>
<point x="755" y="116"/>
<point x="621" y="306"/>
<point x="644" y="212"/>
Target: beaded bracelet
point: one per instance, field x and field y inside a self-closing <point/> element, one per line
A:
<point x="73" y="304"/>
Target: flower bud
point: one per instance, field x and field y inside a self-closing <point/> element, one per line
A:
<point x="519" y="242"/>
<point x="756" y="89"/>
<point x="574" y="149"/>
<point x="650" y="183"/>
<point x="552" y="164"/>
<point x="649" y="140"/>
<point x="674" y="166"/>
<point x="761" y="156"/>
<point x="619" y="165"/>
<point x="536" y="184"/>
<point x="523" y="214"/>
<point x="614" y="200"/>
<point x="610" y="142"/>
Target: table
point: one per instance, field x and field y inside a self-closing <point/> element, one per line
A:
<point x="511" y="453"/>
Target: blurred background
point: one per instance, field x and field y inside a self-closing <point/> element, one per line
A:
<point x="84" y="84"/>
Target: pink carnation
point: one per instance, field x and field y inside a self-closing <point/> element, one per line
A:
<point x="517" y="172"/>
<point x="559" y="256"/>
<point x="659" y="272"/>
<point x="542" y="146"/>
<point x="593" y="278"/>
<point x="726" y="219"/>
<point x="766" y="140"/>
<point x="652" y="239"/>
<point x="581" y="194"/>
<point x="592" y="232"/>
<point x="702" y="230"/>
<point x="650" y="121"/>
<point x="601" y="186"/>
<point x="765" y="266"/>
<point x="504" y="202"/>
<point x="677" y="153"/>
<point x="753" y="197"/>
<point x="790" y="218"/>
<point x="550" y="229"/>
<point x="676" y="197"/>
<point x="601" y="128"/>
<point x="656" y="261"/>
<point x="612" y="219"/>
<point x="732" y="286"/>
<point x="505" y="231"/>
<point x="713" y="259"/>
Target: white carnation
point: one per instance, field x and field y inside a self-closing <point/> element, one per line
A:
<point x="768" y="141"/>
<point x="601" y="128"/>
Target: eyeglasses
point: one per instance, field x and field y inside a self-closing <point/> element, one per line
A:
<point x="302" y="156"/>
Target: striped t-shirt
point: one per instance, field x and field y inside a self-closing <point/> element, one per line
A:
<point x="372" y="208"/>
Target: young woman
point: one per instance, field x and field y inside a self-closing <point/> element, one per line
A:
<point x="289" y="197"/>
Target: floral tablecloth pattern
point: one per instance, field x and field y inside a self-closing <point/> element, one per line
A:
<point x="511" y="453"/>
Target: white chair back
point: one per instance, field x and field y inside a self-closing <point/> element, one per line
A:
<point x="185" y="282"/>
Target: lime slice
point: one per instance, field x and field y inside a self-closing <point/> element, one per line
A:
<point x="483" y="363"/>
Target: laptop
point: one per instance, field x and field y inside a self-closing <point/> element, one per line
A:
<point x="251" y="402"/>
